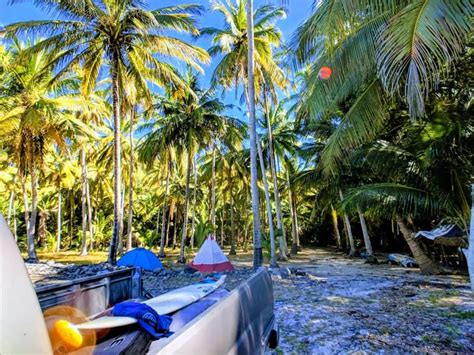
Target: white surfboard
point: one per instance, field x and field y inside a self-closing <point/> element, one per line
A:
<point x="164" y="304"/>
<point x="22" y="326"/>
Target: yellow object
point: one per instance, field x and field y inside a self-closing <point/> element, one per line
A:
<point x="69" y="334"/>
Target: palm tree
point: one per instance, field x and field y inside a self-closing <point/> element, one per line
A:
<point x="246" y="49"/>
<point x="62" y="174"/>
<point x="38" y="112"/>
<point x="281" y="140"/>
<point x="378" y="52"/>
<point x="131" y="92"/>
<point x="128" y="36"/>
<point x="263" y="170"/>
<point x="91" y="115"/>
<point x="414" y="179"/>
<point x="193" y="119"/>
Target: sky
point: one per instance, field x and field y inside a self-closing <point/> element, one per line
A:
<point x="297" y="11"/>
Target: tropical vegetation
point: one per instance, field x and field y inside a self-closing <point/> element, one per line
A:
<point x="115" y="133"/>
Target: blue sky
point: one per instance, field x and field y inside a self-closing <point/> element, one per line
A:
<point x="297" y="11"/>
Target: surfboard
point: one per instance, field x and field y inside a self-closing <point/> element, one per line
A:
<point x="22" y="326"/>
<point x="164" y="304"/>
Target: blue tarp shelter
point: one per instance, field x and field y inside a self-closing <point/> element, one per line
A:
<point x="141" y="257"/>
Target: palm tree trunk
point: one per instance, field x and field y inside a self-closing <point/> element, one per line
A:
<point x="336" y="227"/>
<point x="89" y="214"/>
<point x="175" y="228"/>
<point x="294" y="222"/>
<point x="282" y="257"/>
<point x="193" y="219"/>
<point x="11" y="201"/>
<point x="276" y="192"/>
<point x="32" y="257"/>
<point x="14" y="224"/>
<point x="365" y="232"/>
<point x="469" y="253"/>
<point x="170" y="217"/>
<point x="84" y="202"/>
<point x="59" y="222"/>
<point x="246" y="226"/>
<point x="25" y="201"/>
<point x="231" y="200"/>
<point x="120" y="238"/>
<point x="71" y="217"/>
<point x="222" y="228"/>
<point x="348" y="229"/>
<point x="130" y="184"/>
<point x="295" y="245"/>
<point x="164" y="231"/>
<point x="427" y="266"/>
<point x="41" y="232"/>
<point x="117" y="156"/>
<point x="252" y="128"/>
<point x="158" y="219"/>
<point x="185" y="213"/>
<point x="213" y="189"/>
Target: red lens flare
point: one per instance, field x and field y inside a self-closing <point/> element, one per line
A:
<point x="325" y="73"/>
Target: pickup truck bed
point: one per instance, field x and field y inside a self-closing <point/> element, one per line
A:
<point x="237" y="322"/>
<point x="242" y="322"/>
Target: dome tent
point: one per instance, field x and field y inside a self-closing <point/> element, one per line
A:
<point x="141" y="257"/>
<point x="210" y="258"/>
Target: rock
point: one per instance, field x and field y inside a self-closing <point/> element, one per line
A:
<point x="371" y="260"/>
<point x="50" y="263"/>
<point x="189" y="270"/>
<point x="364" y="332"/>
<point x="285" y="272"/>
<point x="297" y="272"/>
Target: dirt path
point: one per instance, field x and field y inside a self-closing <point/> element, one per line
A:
<point x="344" y="305"/>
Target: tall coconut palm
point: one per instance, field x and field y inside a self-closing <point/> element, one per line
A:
<point x="280" y="140"/>
<point x="90" y="116"/>
<point x="62" y="174"/>
<point x="245" y="44"/>
<point x="133" y="94"/>
<point x="127" y="35"/>
<point x="37" y="113"/>
<point x="193" y="119"/>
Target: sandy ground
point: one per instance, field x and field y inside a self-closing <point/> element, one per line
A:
<point x="339" y="305"/>
<point x="345" y="306"/>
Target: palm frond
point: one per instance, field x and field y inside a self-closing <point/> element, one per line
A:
<point x="362" y="122"/>
<point x="418" y="44"/>
<point x="389" y="199"/>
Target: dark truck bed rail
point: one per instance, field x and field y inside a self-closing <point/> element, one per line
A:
<point x="94" y="294"/>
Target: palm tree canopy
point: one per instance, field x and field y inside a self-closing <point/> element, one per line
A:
<point x="94" y="30"/>
<point x="190" y="121"/>
<point x="231" y="44"/>
<point x="36" y="110"/>
<point x="379" y="52"/>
